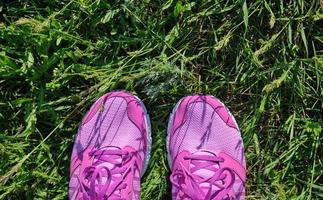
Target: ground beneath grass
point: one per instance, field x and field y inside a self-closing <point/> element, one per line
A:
<point x="262" y="58"/>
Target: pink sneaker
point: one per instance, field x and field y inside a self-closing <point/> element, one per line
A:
<point x="205" y="151"/>
<point x="111" y="150"/>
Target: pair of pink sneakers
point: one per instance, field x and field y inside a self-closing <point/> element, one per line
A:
<point x="112" y="148"/>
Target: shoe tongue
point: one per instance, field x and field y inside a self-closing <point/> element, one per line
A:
<point x="117" y="158"/>
<point x="110" y="166"/>
<point x="204" y="172"/>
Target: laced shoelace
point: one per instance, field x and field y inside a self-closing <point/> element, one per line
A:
<point x="189" y="184"/>
<point x="116" y="179"/>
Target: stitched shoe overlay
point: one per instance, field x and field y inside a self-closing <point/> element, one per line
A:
<point x="205" y="151"/>
<point x="111" y="149"/>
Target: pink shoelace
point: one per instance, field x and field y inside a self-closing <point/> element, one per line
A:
<point x="190" y="185"/>
<point x="99" y="182"/>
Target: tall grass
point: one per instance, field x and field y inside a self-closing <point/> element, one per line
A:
<point x="263" y="58"/>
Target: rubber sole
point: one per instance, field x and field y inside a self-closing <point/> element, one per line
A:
<point x="149" y="138"/>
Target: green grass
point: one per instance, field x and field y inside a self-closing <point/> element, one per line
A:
<point x="262" y="58"/>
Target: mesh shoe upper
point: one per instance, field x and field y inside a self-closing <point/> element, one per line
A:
<point x="205" y="151"/>
<point x="110" y="150"/>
